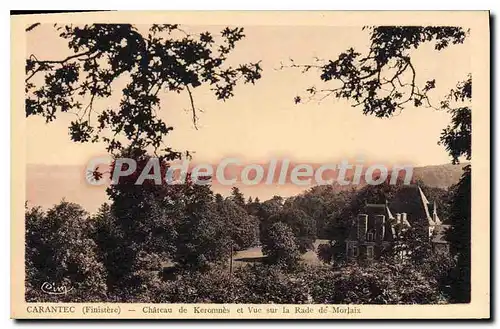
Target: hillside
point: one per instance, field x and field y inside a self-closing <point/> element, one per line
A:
<point x="442" y="176"/>
<point x="47" y="184"/>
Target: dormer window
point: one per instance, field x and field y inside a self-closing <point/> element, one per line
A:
<point x="369" y="237"/>
<point x="369" y="252"/>
<point x="353" y="251"/>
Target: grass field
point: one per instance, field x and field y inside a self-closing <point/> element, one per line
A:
<point x="253" y="255"/>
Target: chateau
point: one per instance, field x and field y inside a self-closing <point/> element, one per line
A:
<point x="376" y="227"/>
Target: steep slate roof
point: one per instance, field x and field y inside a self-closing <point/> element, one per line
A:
<point x="425" y="205"/>
<point x="435" y="216"/>
<point x="392" y="221"/>
<point x="390" y="216"/>
<point x="412" y="200"/>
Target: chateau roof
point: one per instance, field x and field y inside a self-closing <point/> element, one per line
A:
<point x="425" y="205"/>
<point x="437" y="220"/>
<point x="412" y="200"/>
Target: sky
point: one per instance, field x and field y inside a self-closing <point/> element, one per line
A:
<point x="262" y="121"/>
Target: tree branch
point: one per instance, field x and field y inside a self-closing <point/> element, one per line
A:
<point x="193" y="108"/>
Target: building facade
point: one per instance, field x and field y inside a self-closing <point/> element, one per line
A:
<point x="375" y="229"/>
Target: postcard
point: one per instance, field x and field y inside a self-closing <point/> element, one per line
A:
<point x="250" y="165"/>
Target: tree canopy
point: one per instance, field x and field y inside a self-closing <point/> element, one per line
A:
<point x="162" y="59"/>
<point x="382" y="81"/>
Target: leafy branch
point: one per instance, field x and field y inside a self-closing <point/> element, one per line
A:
<point x="384" y="80"/>
<point x="162" y="60"/>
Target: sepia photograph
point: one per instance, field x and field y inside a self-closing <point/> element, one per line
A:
<point x="251" y="165"/>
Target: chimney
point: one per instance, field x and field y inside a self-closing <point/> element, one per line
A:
<point x="398" y="218"/>
<point x="362" y="226"/>
<point x="380" y="227"/>
<point x="403" y="217"/>
<point x="434" y="213"/>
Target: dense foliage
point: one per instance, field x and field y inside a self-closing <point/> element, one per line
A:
<point x="281" y="245"/>
<point x="60" y="250"/>
<point x="181" y="251"/>
<point x="382" y="81"/>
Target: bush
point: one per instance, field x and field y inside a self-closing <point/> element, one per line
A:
<point x="325" y="253"/>
<point x="280" y="246"/>
<point x="380" y="283"/>
<point x="262" y="283"/>
<point x="209" y="286"/>
<point x="60" y="251"/>
<point x="302" y="226"/>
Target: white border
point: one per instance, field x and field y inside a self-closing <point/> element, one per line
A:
<point x="202" y="5"/>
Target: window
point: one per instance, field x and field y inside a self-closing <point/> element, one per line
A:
<point x="369" y="252"/>
<point x="369" y="237"/>
<point x="352" y="251"/>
